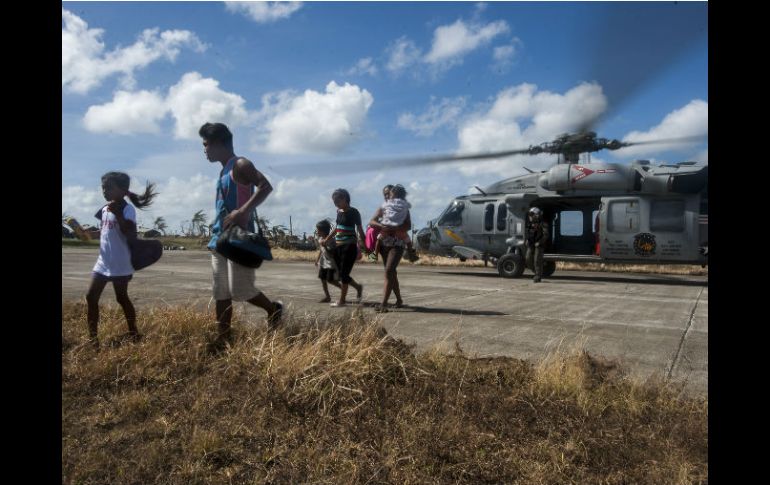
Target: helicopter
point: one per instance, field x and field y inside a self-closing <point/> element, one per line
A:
<point x="597" y="212"/>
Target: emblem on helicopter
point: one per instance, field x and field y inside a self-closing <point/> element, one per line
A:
<point x="644" y="244"/>
<point x="585" y="172"/>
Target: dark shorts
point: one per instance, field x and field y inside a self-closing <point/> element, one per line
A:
<point x="328" y="274"/>
<point x="114" y="279"/>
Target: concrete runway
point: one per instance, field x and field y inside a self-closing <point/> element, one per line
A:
<point x="654" y="324"/>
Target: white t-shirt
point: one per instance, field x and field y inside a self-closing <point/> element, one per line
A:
<point x="327" y="261"/>
<point x="394" y="212"/>
<point x="114" y="254"/>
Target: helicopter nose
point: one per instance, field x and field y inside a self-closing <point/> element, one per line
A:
<point x="423" y="241"/>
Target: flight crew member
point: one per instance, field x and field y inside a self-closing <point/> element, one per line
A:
<point x="537" y="237"/>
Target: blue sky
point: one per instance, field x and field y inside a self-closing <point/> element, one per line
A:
<point x="328" y="81"/>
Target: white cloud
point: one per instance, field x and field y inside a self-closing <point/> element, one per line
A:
<point x="521" y="116"/>
<point x="690" y="120"/>
<point x="127" y="113"/>
<point x="428" y="200"/>
<point x="85" y="65"/>
<point x="264" y="12"/>
<point x="82" y="203"/>
<point x="307" y="200"/>
<point x="402" y="53"/>
<point x="363" y="66"/>
<point x="452" y="42"/>
<point x="179" y="198"/>
<point x="195" y="100"/>
<point x="504" y="55"/>
<point x="316" y="122"/>
<point x="181" y="163"/>
<point x="439" y="114"/>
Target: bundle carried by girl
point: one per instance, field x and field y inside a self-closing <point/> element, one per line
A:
<point x="144" y="252"/>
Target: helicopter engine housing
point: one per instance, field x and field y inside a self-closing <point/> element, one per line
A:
<point x="588" y="177"/>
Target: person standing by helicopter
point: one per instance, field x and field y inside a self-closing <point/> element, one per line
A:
<point x="537" y="237"/>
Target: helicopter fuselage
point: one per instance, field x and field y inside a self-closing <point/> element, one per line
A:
<point x="619" y="213"/>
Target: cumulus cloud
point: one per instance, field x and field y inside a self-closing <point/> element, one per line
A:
<point x="85" y="64"/>
<point x="689" y="121"/>
<point x="452" y="42"/>
<point x="402" y="53"/>
<point x="264" y="12"/>
<point x="314" y="122"/>
<point x="127" y="113"/>
<point x="444" y="113"/>
<point x="195" y="100"/>
<point x="522" y="116"/>
<point x="363" y="66"/>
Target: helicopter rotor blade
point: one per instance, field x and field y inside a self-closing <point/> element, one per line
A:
<point x="351" y="166"/>
<point x="622" y="62"/>
<point x="666" y="141"/>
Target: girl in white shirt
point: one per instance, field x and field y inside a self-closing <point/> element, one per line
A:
<point x="118" y="219"/>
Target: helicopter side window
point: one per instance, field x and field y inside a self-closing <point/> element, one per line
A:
<point x="502" y="214"/>
<point x="571" y="223"/>
<point x="667" y="216"/>
<point x="623" y="216"/>
<point x="452" y="216"/>
<point x="489" y="217"/>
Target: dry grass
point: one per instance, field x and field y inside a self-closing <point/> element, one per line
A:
<point x="432" y="260"/>
<point x="675" y="269"/>
<point x="339" y="401"/>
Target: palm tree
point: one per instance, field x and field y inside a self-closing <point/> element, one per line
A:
<point x="263" y="223"/>
<point x="160" y="225"/>
<point x="197" y="222"/>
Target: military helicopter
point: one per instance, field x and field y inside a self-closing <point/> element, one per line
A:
<point x="597" y="212"/>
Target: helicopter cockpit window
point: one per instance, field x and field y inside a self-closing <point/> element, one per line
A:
<point x="489" y="217"/>
<point x="502" y="214"/>
<point x="452" y="216"/>
<point x="667" y="216"/>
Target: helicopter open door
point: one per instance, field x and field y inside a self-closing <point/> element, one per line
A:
<point x="650" y="228"/>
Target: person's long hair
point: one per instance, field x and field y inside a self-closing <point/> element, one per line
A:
<point x="123" y="181"/>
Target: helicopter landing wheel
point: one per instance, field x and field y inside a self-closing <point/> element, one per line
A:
<point x="510" y="265"/>
<point x="549" y="267"/>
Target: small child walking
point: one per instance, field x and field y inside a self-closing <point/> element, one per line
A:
<point x="118" y="227"/>
<point x="327" y="272"/>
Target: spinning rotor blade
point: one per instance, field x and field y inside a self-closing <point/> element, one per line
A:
<point x="681" y="139"/>
<point x="621" y="60"/>
<point x="351" y="166"/>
